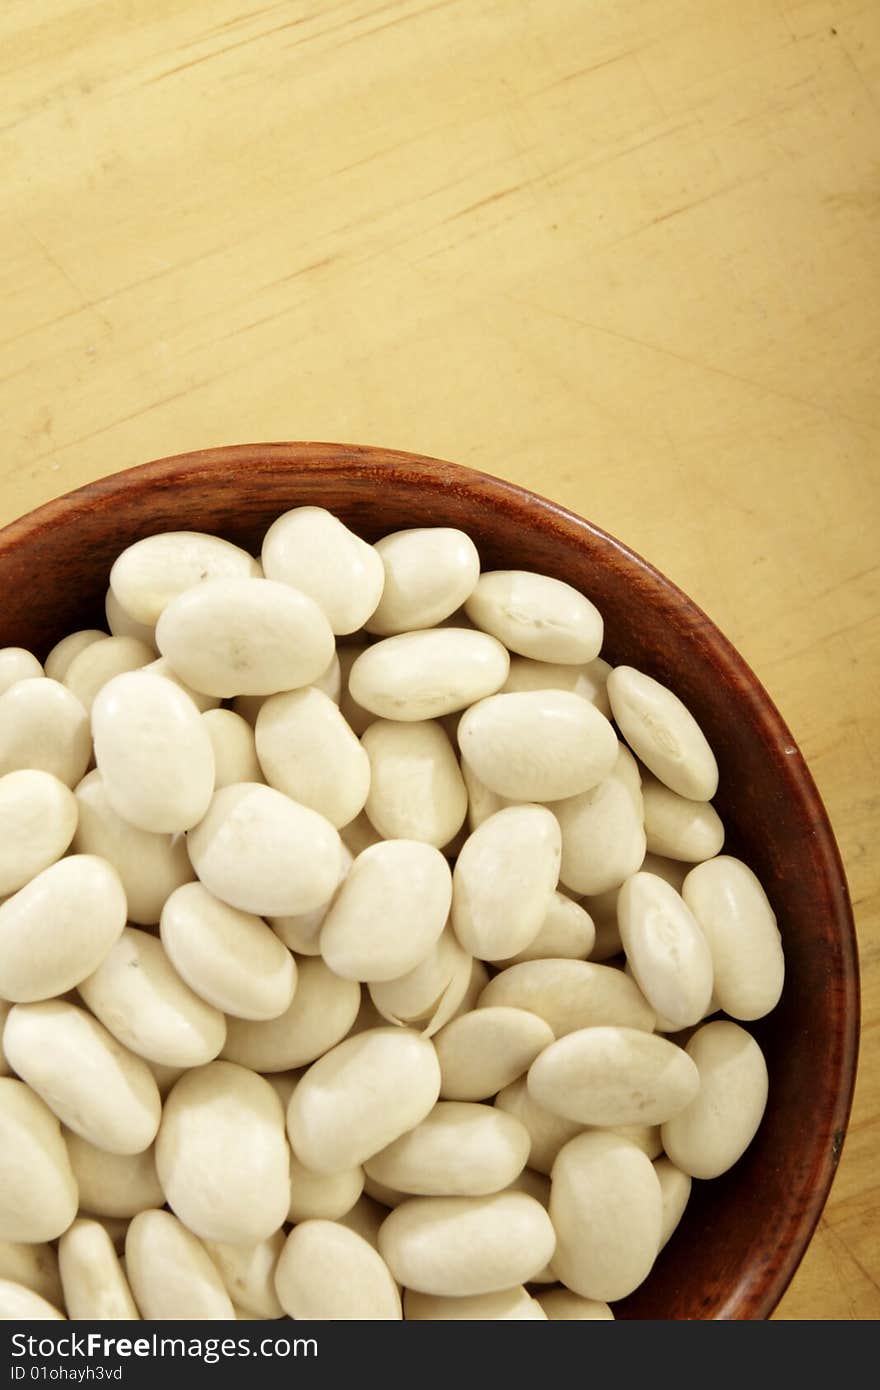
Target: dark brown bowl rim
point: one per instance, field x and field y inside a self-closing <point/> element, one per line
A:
<point x="762" y="1292"/>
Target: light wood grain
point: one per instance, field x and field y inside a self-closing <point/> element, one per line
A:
<point x="623" y="253"/>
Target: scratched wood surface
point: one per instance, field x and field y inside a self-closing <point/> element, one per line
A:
<point x="622" y="252"/>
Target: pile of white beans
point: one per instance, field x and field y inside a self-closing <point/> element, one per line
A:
<point x="358" y="924"/>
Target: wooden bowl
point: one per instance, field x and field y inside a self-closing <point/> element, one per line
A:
<point x="743" y="1234"/>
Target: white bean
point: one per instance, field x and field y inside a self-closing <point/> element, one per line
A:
<point x="329" y="1272"/>
<point x="603" y="909"/>
<point x="95" y="1288"/>
<point x="548" y="1131"/>
<point x="313" y="551"/>
<point x="44" y="726"/>
<point x="248" y="1273"/>
<point x="140" y="998"/>
<point x="263" y="853"/>
<point x="330" y="681"/>
<point x="603" y="837"/>
<point x="17" y="664"/>
<point x="507" y="1305"/>
<point x="361" y="1096"/>
<point x="537" y="745"/>
<point x="163" y="667"/>
<point x="235" y="750"/>
<point x="678" y="828"/>
<point x="606" y="1207"/>
<point x="58" y="928"/>
<point x="389" y="912"/>
<point x="674" y="871"/>
<point x="459" y="1150"/>
<point x="662" y="732"/>
<point x="35" y="1266"/>
<point x="38" y="1193"/>
<point x="567" y="933"/>
<point x="95" y="1086"/>
<point x="561" y="1305"/>
<point x="482" y="803"/>
<point x="63" y="653"/>
<point x="38" y="815"/>
<point x="570" y="995"/>
<point x="321" y="1012"/>
<point x="147" y="575"/>
<point x="19" y="1304"/>
<point x="116" y="1228"/>
<point x="613" y="1076"/>
<point x="422" y="675"/>
<point x="476" y="983"/>
<point x="504" y="881"/>
<point x="416" y="787"/>
<point x="537" y="616"/>
<point x="221" y="1154"/>
<point x="429" y="573"/>
<point x="229" y="958"/>
<point x="99" y="662"/>
<point x="675" y="1190"/>
<point x="150" y="866"/>
<point x="121" y="625"/>
<point x="322" y="1196"/>
<point x="429" y="994"/>
<point x="172" y="1276"/>
<point x="307" y="750"/>
<point x="668" y="953"/>
<point x="5" y="1007"/>
<point x="738" y="922"/>
<point x="708" y="1137"/>
<point x="153" y="752"/>
<point x="245" y="637"/>
<point x="588" y="681"/>
<point x="648" y="1138"/>
<point x="113" y="1184"/>
<point x="357" y="718"/>
<point x="483" y="1051"/>
<point x="467" y="1245"/>
<point x="302" y="932"/>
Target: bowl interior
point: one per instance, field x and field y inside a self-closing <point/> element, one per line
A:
<point x="743" y="1234"/>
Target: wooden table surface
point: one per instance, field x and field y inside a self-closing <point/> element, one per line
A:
<point x="623" y="252"/>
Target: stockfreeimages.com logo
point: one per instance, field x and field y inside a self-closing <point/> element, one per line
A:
<point x="96" y="1346"/>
